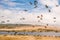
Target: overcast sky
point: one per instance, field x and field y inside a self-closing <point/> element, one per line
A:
<point x="27" y="11"/>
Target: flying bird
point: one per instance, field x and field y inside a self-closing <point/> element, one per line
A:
<point x="30" y="3"/>
<point x="35" y="3"/>
<point x="25" y="10"/>
<point x="54" y="18"/>
<point x="46" y="6"/>
<point x="8" y="20"/>
<point x="38" y="16"/>
<point x="49" y="10"/>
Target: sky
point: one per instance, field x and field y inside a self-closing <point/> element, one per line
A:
<point x="27" y="11"/>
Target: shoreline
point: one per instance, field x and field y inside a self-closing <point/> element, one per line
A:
<point x="30" y="28"/>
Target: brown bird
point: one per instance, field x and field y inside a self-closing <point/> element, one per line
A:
<point x="8" y="20"/>
<point x="38" y="16"/>
<point x="54" y="18"/>
<point x="41" y="15"/>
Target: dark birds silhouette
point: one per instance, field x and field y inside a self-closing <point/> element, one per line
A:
<point x="49" y="10"/>
<point x="35" y="3"/>
<point x="2" y="21"/>
<point x="8" y="20"/>
<point x="57" y="5"/>
<point x="25" y="10"/>
<point x="54" y="18"/>
<point x="35" y="7"/>
<point x="47" y="24"/>
<point x="46" y="6"/>
<point x="22" y="18"/>
<point x="38" y="16"/>
<point x="30" y="3"/>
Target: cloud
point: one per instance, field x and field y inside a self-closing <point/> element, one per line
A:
<point x="30" y="18"/>
<point x="51" y="3"/>
<point x="14" y="15"/>
<point x="13" y="4"/>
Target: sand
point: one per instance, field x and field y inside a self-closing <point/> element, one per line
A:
<point x="27" y="37"/>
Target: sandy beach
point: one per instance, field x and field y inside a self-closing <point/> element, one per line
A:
<point x="30" y="29"/>
<point x="25" y="37"/>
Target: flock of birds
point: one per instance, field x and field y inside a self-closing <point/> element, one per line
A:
<point x="35" y="6"/>
<point x="38" y="17"/>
